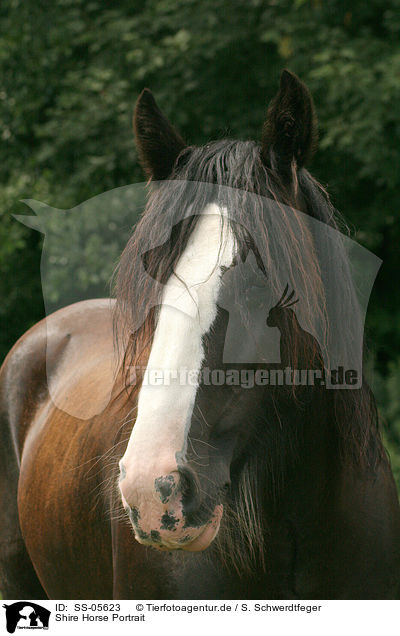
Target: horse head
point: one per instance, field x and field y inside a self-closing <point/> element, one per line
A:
<point x="190" y="431"/>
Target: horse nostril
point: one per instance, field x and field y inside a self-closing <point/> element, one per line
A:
<point x="190" y="491"/>
<point x="166" y="486"/>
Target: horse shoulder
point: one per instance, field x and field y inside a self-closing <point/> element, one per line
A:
<point x="51" y="362"/>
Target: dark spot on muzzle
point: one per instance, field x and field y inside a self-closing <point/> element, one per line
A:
<point x="134" y="515"/>
<point x="164" y="486"/>
<point x="144" y="536"/>
<point x="168" y="521"/>
<point x="155" y="536"/>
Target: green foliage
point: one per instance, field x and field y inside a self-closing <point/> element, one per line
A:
<point x="388" y="396"/>
<point x="71" y="71"/>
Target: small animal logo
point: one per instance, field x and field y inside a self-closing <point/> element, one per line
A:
<point x="26" y="615"/>
<point x="297" y="346"/>
<point x="278" y="314"/>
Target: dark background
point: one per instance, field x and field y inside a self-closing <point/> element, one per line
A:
<point x="71" y="71"/>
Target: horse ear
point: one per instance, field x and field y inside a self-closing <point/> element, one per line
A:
<point x="290" y="131"/>
<point x="157" y="142"/>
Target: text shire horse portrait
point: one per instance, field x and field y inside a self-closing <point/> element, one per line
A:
<point x="202" y="489"/>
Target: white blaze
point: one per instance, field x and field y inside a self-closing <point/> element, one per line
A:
<point x="189" y="307"/>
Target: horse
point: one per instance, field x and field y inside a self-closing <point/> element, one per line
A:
<point x="195" y="490"/>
